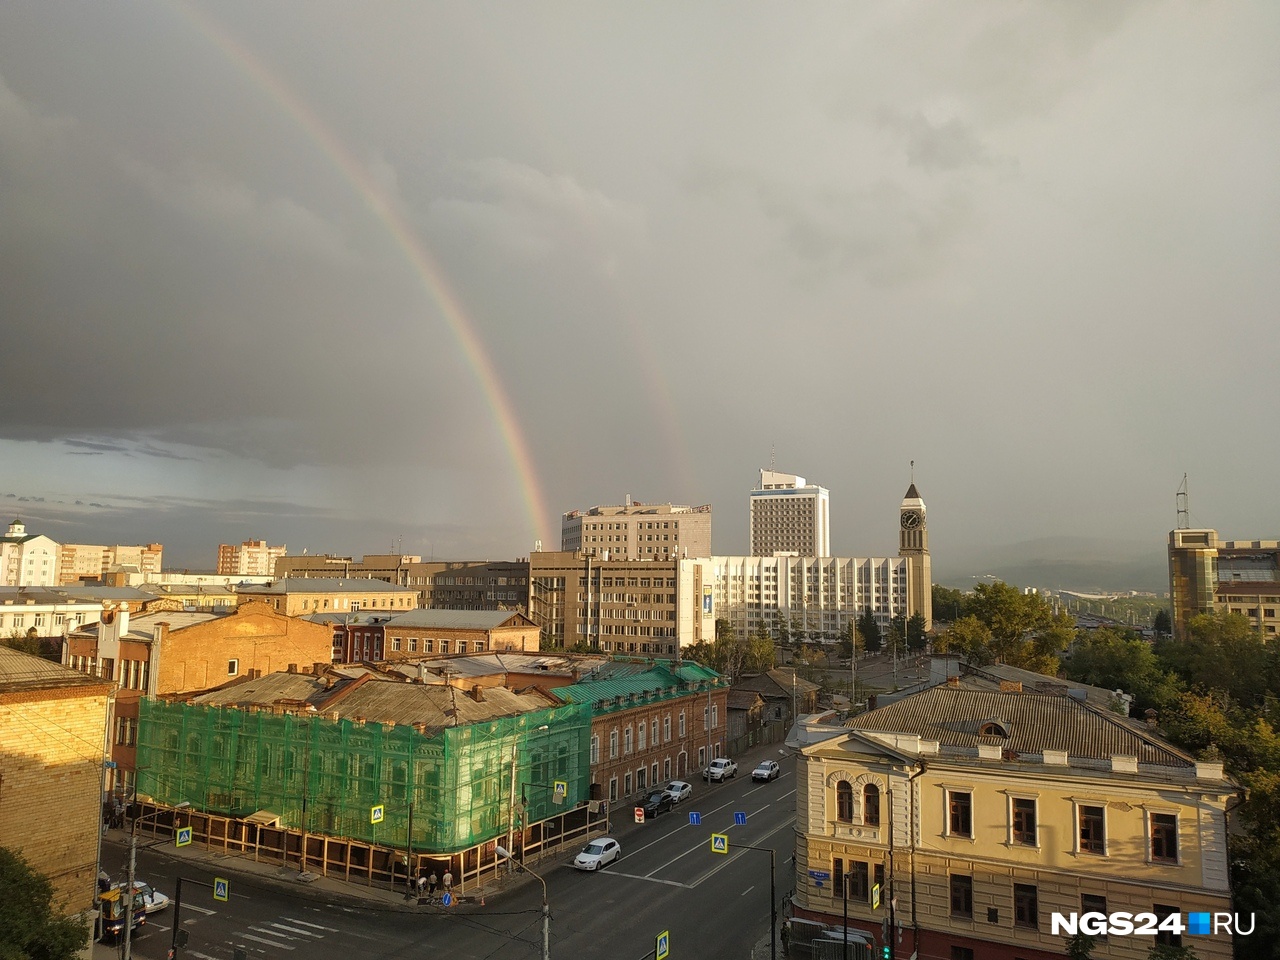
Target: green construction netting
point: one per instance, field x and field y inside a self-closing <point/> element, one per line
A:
<point x="327" y="776"/>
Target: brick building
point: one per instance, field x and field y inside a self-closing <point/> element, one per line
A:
<point x="458" y="631"/>
<point x="301" y="596"/>
<point x="53" y="724"/>
<point x="158" y="654"/>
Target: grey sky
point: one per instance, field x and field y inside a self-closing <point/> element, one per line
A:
<point x="1031" y="246"/>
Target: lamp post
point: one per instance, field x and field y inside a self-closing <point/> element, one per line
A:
<point x="773" y="899"/>
<point x="133" y="860"/>
<point x="546" y="910"/>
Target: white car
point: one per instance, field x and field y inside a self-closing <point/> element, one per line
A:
<point x="721" y="769"/>
<point x="598" y="853"/>
<point x="766" y="770"/>
<point x="678" y="790"/>
<point x="153" y="898"/>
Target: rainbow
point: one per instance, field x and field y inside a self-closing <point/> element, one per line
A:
<point x="419" y="259"/>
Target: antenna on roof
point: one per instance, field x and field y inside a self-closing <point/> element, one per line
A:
<point x="913" y="471"/>
<point x="772" y="458"/>
<point x="1184" y="506"/>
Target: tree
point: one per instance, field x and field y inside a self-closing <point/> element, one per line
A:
<point x="28" y="642"/>
<point x="1121" y="660"/>
<point x="1162" y="951"/>
<point x="1080" y="946"/>
<point x="29" y="928"/>
<point x="1025" y="632"/>
<point x="1162" y="624"/>
<point x="948" y="604"/>
<point x="917" y="639"/>
<point x="849" y="645"/>
<point x="761" y="653"/>
<point x="897" y="635"/>
<point x="870" y="631"/>
<point x="969" y="637"/>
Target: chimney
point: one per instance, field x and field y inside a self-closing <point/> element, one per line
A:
<point x="293" y="668"/>
<point x="1010" y="686"/>
<point x="123" y="616"/>
<point x="477" y="693"/>
<point x="319" y="668"/>
<point x="1151" y="716"/>
<point x="953" y="681"/>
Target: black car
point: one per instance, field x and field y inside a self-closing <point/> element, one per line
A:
<point x="656" y="803"/>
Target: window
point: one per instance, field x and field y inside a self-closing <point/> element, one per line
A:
<point x="126" y="731"/>
<point x="395" y="643"/>
<point x="595" y="750"/>
<point x="682" y="723"/>
<point x="613" y="745"/>
<point x="844" y="801"/>
<point x="1093" y="832"/>
<point x="1024" y="821"/>
<point x="626" y="743"/>
<point x="871" y="805"/>
<point x="642" y="738"/>
<point x="1164" y="837"/>
<point x="1166" y="937"/>
<point x="962" y="896"/>
<point x="1090" y="903"/>
<point x="613" y="789"/>
<point x="961" y="953"/>
<point x="233" y="667"/>
<point x="1026" y="907"/>
<point x="837" y="874"/>
<point x="858" y="880"/>
<point x="666" y="729"/>
<point x="653" y="739"/>
<point x="959" y="814"/>
<point x="626" y="789"/>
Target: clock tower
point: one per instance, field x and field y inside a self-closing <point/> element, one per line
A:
<point x="913" y="544"/>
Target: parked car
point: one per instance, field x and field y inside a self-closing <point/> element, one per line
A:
<point x="657" y="802"/>
<point x="722" y="768"/>
<point x="766" y="770"/>
<point x="678" y="790"/>
<point x="152" y="898"/>
<point x="598" y="853"/>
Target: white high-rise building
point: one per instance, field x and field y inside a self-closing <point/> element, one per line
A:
<point x="28" y="559"/>
<point x="791" y="516"/>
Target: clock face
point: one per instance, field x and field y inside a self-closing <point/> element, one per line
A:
<point x="910" y="519"/>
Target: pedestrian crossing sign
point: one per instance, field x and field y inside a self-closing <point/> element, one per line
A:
<point x="221" y="889"/>
<point x="719" y="843"/>
<point x="183" y="838"/>
<point x="376" y="814"/>
<point x="662" y="945"/>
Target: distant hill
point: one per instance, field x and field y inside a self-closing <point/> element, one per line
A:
<point x="1063" y="563"/>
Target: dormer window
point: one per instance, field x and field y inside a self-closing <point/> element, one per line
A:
<point x="994" y="728"/>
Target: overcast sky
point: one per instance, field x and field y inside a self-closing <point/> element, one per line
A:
<point x="427" y="275"/>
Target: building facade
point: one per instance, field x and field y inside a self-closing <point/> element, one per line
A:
<point x="638" y="531"/>
<point x="619" y="606"/>
<point x="251" y="558"/>
<point x="789" y="515"/>
<point x="428" y="632"/>
<point x="1209" y="575"/>
<point x="913" y="545"/>
<point x="440" y="584"/>
<point x="968" y="818"/>
<point x="157" y="654"/>
<point x="28" y="559"/>
<point x="302" y="596"/>
<point x="84" y="561"/>
<point x="53" y="724"/>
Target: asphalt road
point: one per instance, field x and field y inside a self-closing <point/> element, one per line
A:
<point x="713" y="905"/>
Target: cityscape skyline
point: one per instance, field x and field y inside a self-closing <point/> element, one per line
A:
<point x="268" y="282"/>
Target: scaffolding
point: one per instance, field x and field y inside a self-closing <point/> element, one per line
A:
<point x="457" y="786"/>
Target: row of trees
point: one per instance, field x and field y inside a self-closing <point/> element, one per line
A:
<point x="997" y="623"/>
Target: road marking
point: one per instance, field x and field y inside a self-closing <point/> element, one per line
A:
<point x="272" y="933"/>
<point x="734" y="853"/>
<point x="748" y="890"/>
<point x="650" y="879"/>
<point x="269" y="943"/>
<point x="151" y="924"/>
<point x="318" y="926"/>
<point x="192" y="906"/>
<point x="198" y="955"/>
<point x="305" y="933"/>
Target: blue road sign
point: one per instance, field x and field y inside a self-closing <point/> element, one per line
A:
<point x="447" y="900"/>
<point x="739" y="819"/>
<point x="719" y="843"/>
<point x="221" y="889"/>
<point x="662" y="945"/>
<point x="183" y="837"/>
<point x="820" y="874"/>
<point x="695" y="819"/>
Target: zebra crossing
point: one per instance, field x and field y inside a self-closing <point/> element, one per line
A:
<point x="265" y="937"/>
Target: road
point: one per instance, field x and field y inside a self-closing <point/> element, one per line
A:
<point x="668" y="879"/>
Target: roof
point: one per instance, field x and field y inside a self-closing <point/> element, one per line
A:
<point x="325" y="585"/>
<point x="23" y="671"/>
<point x="458" y="619"/>
<point x="912" y="493"/>
<point x="142" y="626"/>
<point x="744" y="699"/>
<point x="69" y="594"/>
<point x="777" y="682"/>
<point x="490" y="664"/>
<point x="1035" y="722"/>
<point x="378" y="700"/>
<point x="659" y="680"/>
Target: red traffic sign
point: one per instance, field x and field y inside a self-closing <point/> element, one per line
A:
<point x="639" y="814"/>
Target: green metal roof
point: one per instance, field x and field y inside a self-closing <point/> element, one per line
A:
<point x="658" y="683"/>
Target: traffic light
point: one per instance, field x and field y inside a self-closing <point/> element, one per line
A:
<point x="884" y="952"/>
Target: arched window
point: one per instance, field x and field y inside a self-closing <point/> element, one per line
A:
<point x="871" y="805"/>
<point x="844" y="801"/>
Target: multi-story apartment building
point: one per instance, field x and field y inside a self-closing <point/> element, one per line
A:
<point x="84" y="561"/>
<point x="251" y="558"/>
<point x="440" y="584"/>
<point x="967" y="818"/>
<point x="28" y="559"/>
<point x="53" y="724"/>
<point x="157" y="654"/>
<point x="1237" y="576"/>
<point x="651" y="723"/>
<point x="619" y="606"/>
<point x="789" y="515"/>
<point x="52" y="611"/>
<point x="300" y="596"/>
<point x="638" y="531"/>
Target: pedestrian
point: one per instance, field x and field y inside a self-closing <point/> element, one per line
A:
<point x="431" y="885"/>
<point x="422" y="883"/>
<point x="447" y="880"/>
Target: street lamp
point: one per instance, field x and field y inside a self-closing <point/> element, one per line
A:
<point x="546" y="910"/>
<point x="133" y="860"/>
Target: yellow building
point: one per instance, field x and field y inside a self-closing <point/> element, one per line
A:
<point x="981" y="814"/>
<point x="53" y="726"/>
